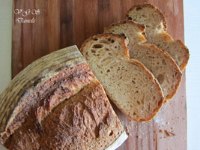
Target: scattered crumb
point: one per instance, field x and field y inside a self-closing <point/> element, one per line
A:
<point x="127" y="130"/>
<point x="166" y="133"/>
<point x="169" y="134"/>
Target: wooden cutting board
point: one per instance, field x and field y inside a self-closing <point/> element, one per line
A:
<point x="49" y="25"/>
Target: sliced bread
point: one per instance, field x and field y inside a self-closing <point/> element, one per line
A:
<point x="128" y="83"/>
<point x="156" y="33"/>
<point x="157" y="61"/>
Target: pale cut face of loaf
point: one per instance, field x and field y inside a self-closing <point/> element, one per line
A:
<point x="156" y="32"/>
<point x="59" y="104"/>
<point x="156" y="60"/>
<point x="130" y="85"/>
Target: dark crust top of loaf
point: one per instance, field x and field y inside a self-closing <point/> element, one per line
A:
<point x="39" y="69"/>
<point x="149" y="6"/>
<point x="84" y="121"/>
<point x="38" y="100"/>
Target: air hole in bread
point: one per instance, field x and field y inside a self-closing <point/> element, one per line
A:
<point x="110" y="54"/>
<point x="163" y="62"/>
<point x="111" y="133"/>
<point x="138" y="102"/>
<point x="86" y="53"/>
<point x="138" y="8"/>
<point x="133" y="81"/>
<point x="95" y="39"/>
<point x="160" y="78"/>
<point x="93" y="51"/>
<point x="144" y="16"/>
<point x="129" y="18"/>
<point x="111" y="40"/>
<point x="108" y="70"/>
<point x="122" y="34"/>
<point x="97" y="46"/>
<point x="104" y="41"/>
<point x="143" y="33"/>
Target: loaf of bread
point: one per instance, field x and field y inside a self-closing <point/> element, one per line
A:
<point x="57" y="103"/>
<point x="156" y="32"/>
<point x="128" y="83"/>
<point x="160" y="63"/>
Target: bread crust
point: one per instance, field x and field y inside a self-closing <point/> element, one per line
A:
<point x="187" y="55"/>
<point x="85" y="120"/>
<point x="150" y="6"/>
<point x="66" y="57"/>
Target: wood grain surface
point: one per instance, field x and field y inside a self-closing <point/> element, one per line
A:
<point x="63" y="23"/>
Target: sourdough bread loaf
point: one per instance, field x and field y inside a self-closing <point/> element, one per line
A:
<point x="156" y="32"/>
<point x="57" y="103"/>
<point x="128" y="83"/>
<point x="160" y="63"/>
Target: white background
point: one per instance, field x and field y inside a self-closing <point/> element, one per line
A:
<point x="192" y="40"/>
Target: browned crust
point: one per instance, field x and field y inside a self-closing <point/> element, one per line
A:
<point x="150" y="6"/>
<point x="186" y="56"/>
<point x="69" y="56"/>
<point x="140" y="26"/>
<point x="93" y="100"/>
<point x="172" y="61"/>
<point x="76" y="78"/>
<point x="107" y="35"/>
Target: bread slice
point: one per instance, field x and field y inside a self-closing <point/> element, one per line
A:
<point x="157" y="61"/>
<point x="59" y="104"/>
<point x="128" y="83"/>
<point x="156" y="33"/>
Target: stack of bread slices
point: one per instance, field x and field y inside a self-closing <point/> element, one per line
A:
<point x="138" y="63"/>
<point x="59" y="102"/>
